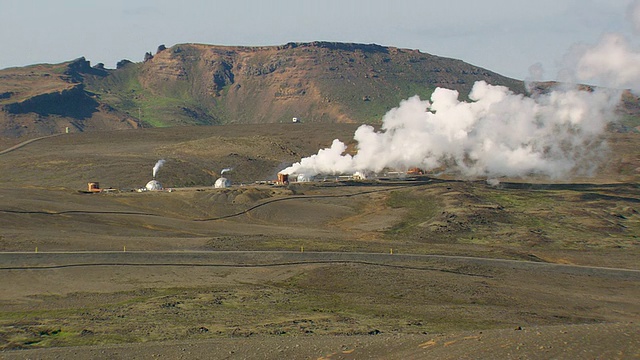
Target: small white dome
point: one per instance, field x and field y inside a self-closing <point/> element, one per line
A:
<point x="153" y="185"/>
<point x="222" y="183"/>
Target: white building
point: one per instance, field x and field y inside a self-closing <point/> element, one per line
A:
<point x="222" y="183"/>
<point x="153" y="185"/>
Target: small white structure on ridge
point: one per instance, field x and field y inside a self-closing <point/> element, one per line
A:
<point x="222" y="183"/>
<point x="153" y="185"/>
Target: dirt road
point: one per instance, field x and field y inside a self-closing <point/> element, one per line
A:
<point x="53" y="260"/>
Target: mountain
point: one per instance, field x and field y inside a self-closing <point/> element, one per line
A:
<point x="196" y="84"/>
<point x="320" y="81"/>
<point x="191" y="84"/>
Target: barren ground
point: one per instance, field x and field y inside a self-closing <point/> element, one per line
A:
<point x="430" y="268"/>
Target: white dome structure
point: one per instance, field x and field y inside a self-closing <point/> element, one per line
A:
<point x="153" y="185"/>
<point x="222" y="183"/>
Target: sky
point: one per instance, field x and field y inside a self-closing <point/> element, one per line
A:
<point x="505" y="36"/>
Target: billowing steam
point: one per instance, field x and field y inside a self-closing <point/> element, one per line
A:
<point x="633" y="15"/>
<point x="225" y="170"/>
<point x="613" y="62"/>
<point x="499" y="133"/>
<point x="157" y="167"/>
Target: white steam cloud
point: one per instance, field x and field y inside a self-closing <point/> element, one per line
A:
<point x="633" y="15"/>
<point x="225" y="170"/>
<point x="498" y="133"/>
<point x="157" y="167"/>
<point x="613" y="62"/>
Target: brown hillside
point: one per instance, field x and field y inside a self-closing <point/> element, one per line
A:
<point x="318" y="81"/>
<point x="194" y="84"/>
<point x="46" y="99"/>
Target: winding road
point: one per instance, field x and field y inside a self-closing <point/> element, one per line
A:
<point x="27" y="142"/>
<point x="462" y="265"/>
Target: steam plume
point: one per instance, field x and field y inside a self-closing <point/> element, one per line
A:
<point x="612" y="62"/>
<point x="157" y="167"/>
<point x="225" y="170"/>
<point x="633" y="15"/>
<point x="498" y="133"/>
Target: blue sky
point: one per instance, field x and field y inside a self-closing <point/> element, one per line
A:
<point x="506" y="36"/>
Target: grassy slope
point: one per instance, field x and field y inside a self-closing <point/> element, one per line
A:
<point x="122" y="90"/>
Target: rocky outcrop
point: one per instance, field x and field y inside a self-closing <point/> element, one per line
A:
<point x="222" y="76"/>
<point x="122" y="63"/>
<point x="80" y="67"/>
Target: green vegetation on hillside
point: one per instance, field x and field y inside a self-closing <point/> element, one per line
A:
<point x="316" y="82"/>
<point x="123" y="91"/>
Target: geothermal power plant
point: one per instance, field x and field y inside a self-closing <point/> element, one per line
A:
<point x="282" y="178"/>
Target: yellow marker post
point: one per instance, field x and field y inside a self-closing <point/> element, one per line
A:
<point x="124" y="248"/>
<point x="301" y="248"/>
<point x="391" y="251"/>
<point x="36" y="249"/>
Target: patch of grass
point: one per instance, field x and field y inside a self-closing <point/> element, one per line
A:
<point x="551" y="218"/>
<point x="420" y="208"/>
<point x="34" y="315"/>
<point x="328" y="300"/>
<point x="41" y="335"/>
<point x="123" y="90"/>
<point x="630" y="121"/>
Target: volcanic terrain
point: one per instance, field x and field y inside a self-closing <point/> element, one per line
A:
<point x="393" y="267"/>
